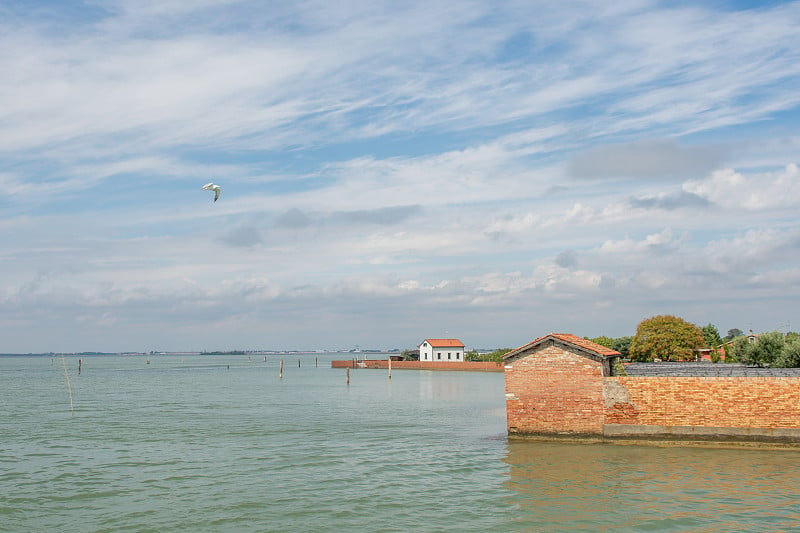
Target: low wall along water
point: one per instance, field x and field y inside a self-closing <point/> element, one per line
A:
<point x="476" y="366"/>
<point x="557" y="390"/>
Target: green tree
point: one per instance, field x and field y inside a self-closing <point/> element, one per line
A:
<point x="730" y="353"/>
<point x="410" y="355"/>
<point x="496" y="355"/>
<point x="711" y="335"/>
<point x="790" y="356"/>
<point x="623" y="346"/>
<point x="602" y="340"/>
<point x="666" y="337"/>
<point x="765" y="350"/>
<point x="733" y="333"/>
<point x="768" y="349"/>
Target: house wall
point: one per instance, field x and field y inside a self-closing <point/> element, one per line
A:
<point x="428" y="353"/>
<point x="554" y="391"/>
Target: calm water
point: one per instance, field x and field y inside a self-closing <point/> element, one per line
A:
<point x="188" y="444"/>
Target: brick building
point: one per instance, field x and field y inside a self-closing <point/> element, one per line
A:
<point x="563" y="385"/>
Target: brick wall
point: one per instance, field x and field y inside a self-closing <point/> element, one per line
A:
<point x="483" y="366"/>
<point x="555" y="391"/>
<point x="736" y="402"/>
<point x="558" y="391"/>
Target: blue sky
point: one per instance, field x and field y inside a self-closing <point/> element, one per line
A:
<point x="492" y="172"/>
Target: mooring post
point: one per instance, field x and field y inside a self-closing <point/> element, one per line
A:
<point x="281" y="373"/>
<point x="316" y="362"/>
<point x="298" y="363"/>
<point x="348" y="375"/>
<point x="390" y="367"/>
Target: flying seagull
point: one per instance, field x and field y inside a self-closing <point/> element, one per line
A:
<point x="212" y="187"/>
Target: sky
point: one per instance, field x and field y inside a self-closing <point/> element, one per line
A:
<point x="393" y="171"/>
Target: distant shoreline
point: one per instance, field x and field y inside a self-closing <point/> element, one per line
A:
<point x="231" y="352"/>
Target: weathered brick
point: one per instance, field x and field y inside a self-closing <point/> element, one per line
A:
<point x="558" y="390"/>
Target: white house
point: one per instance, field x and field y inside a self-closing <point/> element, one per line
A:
<point x="441" y="350"/>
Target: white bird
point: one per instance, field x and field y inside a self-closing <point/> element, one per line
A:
<point x="212" y="187"/>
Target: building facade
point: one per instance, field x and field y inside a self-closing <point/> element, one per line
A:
<point x="441" y="350"/>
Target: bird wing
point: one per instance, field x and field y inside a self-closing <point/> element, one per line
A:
<point x="207" y="186"/>
<point x="216" y="193"/>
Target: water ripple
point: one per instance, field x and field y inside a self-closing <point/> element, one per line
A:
<point x="185" y="444"/>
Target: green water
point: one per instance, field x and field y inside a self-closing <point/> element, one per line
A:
<point x="188" y="444"/>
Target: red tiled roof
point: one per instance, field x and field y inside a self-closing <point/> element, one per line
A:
<point x="571" y="339"/>
<point x="585" y="343"/>
<point x="443" y="343"/>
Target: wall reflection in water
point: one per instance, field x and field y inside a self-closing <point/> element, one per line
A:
<point x="566" y="486"/>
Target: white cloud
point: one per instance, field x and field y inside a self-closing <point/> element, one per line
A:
<point x="760" y="191"/>
<point x="381" y="164"/>
<point x="654" y="242"/>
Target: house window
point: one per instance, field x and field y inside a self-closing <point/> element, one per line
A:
<point x="449" y="354"/>
<point x="439" y="356"/>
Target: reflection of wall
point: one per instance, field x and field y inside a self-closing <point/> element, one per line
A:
<point x="440" y="390"/>
<point x="552" y="488"/>
<point x="575" y="487"/>
<point x="555" y="390"/>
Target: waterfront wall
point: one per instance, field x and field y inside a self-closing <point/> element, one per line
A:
<point x="737" y="408"/>
<point x="479" y="366"/>
<point x="557" y="391"/>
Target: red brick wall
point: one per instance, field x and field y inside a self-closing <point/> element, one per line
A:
<point x="736" y="402"/>
<point x="554" y="391"/>
<point x="485" y="366"/>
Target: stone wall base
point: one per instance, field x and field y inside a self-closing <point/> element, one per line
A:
<point x="651" y="437"/>
<point x="701" y="433"/>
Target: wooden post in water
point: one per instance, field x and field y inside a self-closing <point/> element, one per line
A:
<point x="316" y="362"/>
<point x="348" y="375"/>
<point x="69" y="387"/>
<point x="298" y="363"/>
<point x="281" y="373"/>
<point x="390" y="367"/>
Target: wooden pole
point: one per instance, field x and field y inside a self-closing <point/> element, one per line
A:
<point x="390" y="368"/>
<point x="348" y="375"/>
<point x="69" y="387"/>
<point x="298" y="363"/>
<point x="316" y="362"/>
<point x="281" y="374"/>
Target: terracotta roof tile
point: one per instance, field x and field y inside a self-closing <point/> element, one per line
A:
<point x="585" y="343"/>
<point x="443" y="343"/>
<point x="571" y="339"/>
